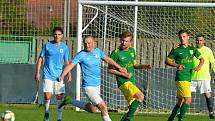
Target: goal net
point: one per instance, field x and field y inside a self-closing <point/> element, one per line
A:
<point x="155" y="27"/>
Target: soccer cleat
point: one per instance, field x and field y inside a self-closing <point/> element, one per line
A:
<point x="211" y="116"/>
<point x="59" y="120"/>
<point x="46" y="117"/>
<point x="125" y="118"/>
<point x="65" y="101"/>
<point x="180" y="119"/>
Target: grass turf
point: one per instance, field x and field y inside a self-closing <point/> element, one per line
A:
<point x="28" y="112"/>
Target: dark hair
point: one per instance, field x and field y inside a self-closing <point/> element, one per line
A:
<point x="183" y="31"/>
<point x="57" y="29"/>
<point x="126" y="34"/>
<point x="200" y="35"/>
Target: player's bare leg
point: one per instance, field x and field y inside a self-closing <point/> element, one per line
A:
<point x="103" y="108"/>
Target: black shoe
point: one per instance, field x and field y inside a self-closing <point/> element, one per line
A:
<point x="46" y="117"/>
<point x="211" y="116"/>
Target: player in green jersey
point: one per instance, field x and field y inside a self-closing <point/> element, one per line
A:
<point x="201" y="79"/>
<point x="125" y="56"/>
<point x="182" y="58"/>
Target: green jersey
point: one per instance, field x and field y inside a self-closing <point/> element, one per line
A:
<point x="184" y="56"/>
<point x="125" y="59"/>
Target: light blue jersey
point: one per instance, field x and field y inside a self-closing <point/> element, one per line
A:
<point x="90" y="65"/>
<point x="54" y="56"/>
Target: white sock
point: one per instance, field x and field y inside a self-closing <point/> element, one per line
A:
<point x="78" y="103"/>
<point x="47" y="103"/>
<point x="59" y="110"/>
<point x="106" y="118"/>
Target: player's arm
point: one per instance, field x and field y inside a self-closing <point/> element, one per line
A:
<point x="172" y="63"/>
<point x="66" y="60"/>
<point x="198" y="55"/>
<point x="66" y="70"/>
<point x="212" y="61"/>
<point x="113" y="63"/>
<point x="201" y="62"/>
<point x="142" y="66"/>
<point x="69" y="73"/>
<point x="113" y="70"/>
<point x="38" y="68"/>
<point x="40" y="62"/>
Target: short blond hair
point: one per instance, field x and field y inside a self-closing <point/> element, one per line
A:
<point x="126" y="34"/>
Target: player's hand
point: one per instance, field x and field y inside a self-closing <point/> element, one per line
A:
<point x="181" y="67"/>
<point x="37" y="76"/>
<point x="128" y="75"/>
<point x="123" y="70"/>
<point x="69" y="78"/>
<point x="59" y="79"/>
<point x="197" y="68"/>
<point x="147" y="66"/>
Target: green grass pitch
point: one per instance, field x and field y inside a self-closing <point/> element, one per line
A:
<point x="28" y="112"/>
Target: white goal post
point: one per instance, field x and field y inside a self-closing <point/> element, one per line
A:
<point x="155" y="26"/>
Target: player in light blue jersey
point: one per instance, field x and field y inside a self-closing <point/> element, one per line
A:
<point x="54" y="52"/>
<point x="90" y="60"/>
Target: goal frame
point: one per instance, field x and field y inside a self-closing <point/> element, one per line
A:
<point x="136" y="3"/>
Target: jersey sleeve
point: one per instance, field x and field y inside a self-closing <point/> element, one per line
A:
<point x="66" y="54"/>
<point x="77" y="59"/>
<point x="197" y="54"/>
<point x="114" y="56"/>
<point x="212" y="60"/>
<point x="102" y="54"/>
<point x="171" y="55"/>
<point x="43" y="51"/>
<point x="135" y="56"/>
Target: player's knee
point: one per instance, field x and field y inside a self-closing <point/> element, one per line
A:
<point x="140" y="98"/>
<point x="59" y="96"/>
<point x="188" y="101"/>
<point x="90" y="108"/>
<point x="208" y="95"/>
<point x="102" y="105"/>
